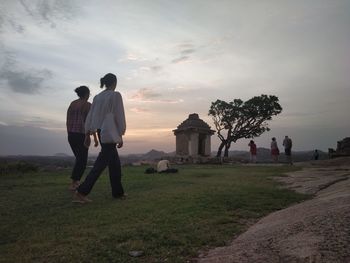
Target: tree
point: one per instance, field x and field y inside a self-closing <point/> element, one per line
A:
<point x="238" y="119"/>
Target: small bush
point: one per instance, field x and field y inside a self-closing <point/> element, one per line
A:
<point x="17" y="167"/>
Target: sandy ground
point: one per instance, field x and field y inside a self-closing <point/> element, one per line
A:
<point x="317" y="230"/>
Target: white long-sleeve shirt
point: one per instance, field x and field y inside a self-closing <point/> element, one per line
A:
<point x="103" y="103"/>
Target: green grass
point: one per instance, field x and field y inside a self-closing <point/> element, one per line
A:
<point x="169" y="217"/>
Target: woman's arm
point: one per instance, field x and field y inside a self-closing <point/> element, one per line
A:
<point x="67" y="116"/>
<point x="95" y="139"/>
<point x="119" y="113"/>
<point x="89" y="129"/>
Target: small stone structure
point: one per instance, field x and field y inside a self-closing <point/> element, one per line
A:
<point x="193" y="137"/>
<point x="343" y="149"/>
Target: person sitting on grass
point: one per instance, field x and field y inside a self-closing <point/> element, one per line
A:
<point x="163" y="166"/>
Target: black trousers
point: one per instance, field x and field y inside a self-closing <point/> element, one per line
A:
<point x="76" y="142"/>
<point x="107" y="157"/>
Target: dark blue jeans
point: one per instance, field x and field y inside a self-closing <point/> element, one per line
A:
<point x="107" y="157"/>
<point x="76" y="142"/>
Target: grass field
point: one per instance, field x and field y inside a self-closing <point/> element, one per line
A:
<point x="169" y="217"/>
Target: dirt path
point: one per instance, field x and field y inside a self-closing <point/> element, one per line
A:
<point x="316" y="230"/>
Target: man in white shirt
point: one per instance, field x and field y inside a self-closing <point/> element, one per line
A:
<point x="107" y="103"/>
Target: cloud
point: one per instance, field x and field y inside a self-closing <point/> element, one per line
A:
<point x="16" y="26"/>
<point x="149" y="95"/>
<point x="145" y="93"/>
<point x="188" y="51"/>
<point x="14" y="14"/>
<point x="184" y="46"/>
<point x="185" y="50"/>
<point x="21" y="116"/>
<point x="156" y="68"/>
<point x="151" y="68"/>
<point x="139" y="110"/>
<point x="29" y="82"/>
<point x="180" y="60"/>
<point x="182" y="88"/>
<point x="304" y="114"/>
<point x="132" y="57"/>
<point x="150" y="132"/>
<point x="44" y="123"/>
<point x="49" y="11"/>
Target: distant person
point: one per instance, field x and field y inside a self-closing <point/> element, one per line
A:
<point x="163" y="166"/>
<point x="275" y="152"/>
<point x="252" y="150"/>
<point x="76" y="116"/>
<point x="316" y="155"/>
<point x="108" y="119"/>
<point x="287" y="143"/>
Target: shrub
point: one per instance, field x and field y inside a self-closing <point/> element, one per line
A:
<point x="17" y="167"/>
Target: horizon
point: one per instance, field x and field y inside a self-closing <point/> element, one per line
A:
<point x="173" y="59"/>
<point x="144" y="153"/>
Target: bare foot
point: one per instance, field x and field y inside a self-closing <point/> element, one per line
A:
<point x="122" y="197"/>
<point x="74" y="185"/>
<point x="80" y="198"/>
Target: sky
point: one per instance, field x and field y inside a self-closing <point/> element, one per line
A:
<point x="173" y="58"/>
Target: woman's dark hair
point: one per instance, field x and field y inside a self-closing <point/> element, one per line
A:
<point x="273" y="138"/>
<point x="108" y="80"/>
<point x="251" y="141"/>
<point x="82" y="91"/>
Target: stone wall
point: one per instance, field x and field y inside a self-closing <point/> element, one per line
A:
<point x="343" y="149"/>
<point x="182" y="144"/>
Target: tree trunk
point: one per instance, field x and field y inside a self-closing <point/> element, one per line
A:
<point x="226" y="150"/>
<point x="227" y="147"/>
<point x="220" y="149"/>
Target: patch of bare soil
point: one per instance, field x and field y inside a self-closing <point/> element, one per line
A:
<point x="317" y="230"/>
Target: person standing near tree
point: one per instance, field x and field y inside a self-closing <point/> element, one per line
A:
<point x="252" y="150"/>
<point x="108" y="119"/>
<point x="287" y="143"/>
<point x="274" y="150"/>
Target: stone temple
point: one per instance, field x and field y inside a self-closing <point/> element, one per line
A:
<point x="193" y="137"/>
<point x="343" y="149"/>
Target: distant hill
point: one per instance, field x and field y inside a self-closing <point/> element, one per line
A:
<point x="263" y="155"/>
<point x="61" y="155"/>
<point x="150" y="156"/>
<point x="65" y="160"/>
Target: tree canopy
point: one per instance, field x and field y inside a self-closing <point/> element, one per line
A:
<point x="238" y="119"/>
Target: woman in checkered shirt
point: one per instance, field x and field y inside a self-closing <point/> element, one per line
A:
<point x="76" y="116"/>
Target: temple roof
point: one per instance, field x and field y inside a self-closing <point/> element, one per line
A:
<point x="194" y="122"/>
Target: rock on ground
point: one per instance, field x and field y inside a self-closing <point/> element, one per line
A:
<point x="317" y="230"/>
